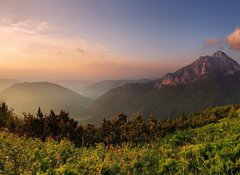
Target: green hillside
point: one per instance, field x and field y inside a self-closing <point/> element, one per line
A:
<point x="209" y="81"/>
<point x="213" y="148"/>
<point x="169" y="101"/>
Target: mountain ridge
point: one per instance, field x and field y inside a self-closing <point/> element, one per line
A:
<point x="218" y="64"/>
<point x="97" y="89"/>
<point x="212" y="88"/>
<point x="48" y="96"/>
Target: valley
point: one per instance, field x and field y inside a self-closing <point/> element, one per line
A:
<point x="209" y="81"/>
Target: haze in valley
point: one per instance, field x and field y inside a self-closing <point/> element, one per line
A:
<point x="81" y="56"/>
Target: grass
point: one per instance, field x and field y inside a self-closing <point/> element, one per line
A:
<point x="211" y="149"/>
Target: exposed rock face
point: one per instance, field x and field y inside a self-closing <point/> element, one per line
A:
<point x="218" y="64"/>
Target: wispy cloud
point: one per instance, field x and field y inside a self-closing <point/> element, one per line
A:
<point x="234" y="39"/>
<point x="80" y="50"/>
<point x="38" y="37"/>
<point x="38" y="48"/>
<point x="212" y="41"/>
<point x="215" y="42"/>
<point x="33" y="26"/>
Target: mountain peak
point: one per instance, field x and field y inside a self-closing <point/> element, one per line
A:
<point x="218" y="64"/>
<point x="220" y="54"/>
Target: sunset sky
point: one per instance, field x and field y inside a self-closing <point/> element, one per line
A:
<point x="112" y="39"/>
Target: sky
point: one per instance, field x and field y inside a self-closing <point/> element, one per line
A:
<point x="112" y="39"/>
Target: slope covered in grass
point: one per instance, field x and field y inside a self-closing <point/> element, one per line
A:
<point x="210" y="149"/>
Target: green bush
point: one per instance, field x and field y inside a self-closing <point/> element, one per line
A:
<point x="211" y="149"/>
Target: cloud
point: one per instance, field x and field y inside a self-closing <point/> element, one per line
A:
<point x="234" y="39"/>
<point x="37" y="48"/>
<point x="29" y="26"/>
<point x="80" y="50"/>
<point x="35" y="37"/>
<point x="212" y="41"/>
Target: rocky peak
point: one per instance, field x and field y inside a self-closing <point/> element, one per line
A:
<point x="220" y="54"/>
<point x="218" y="64"/>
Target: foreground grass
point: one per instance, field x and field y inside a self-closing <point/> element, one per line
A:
<point x="211" y="149"/>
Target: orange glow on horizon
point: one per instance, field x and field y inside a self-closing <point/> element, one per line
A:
<point x="36" y="49"/>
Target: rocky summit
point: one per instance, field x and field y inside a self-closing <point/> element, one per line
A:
<point x="209" y="81"/>
<point x="218" y="64"/>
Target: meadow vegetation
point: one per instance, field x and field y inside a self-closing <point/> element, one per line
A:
<point x="205" y="142"/>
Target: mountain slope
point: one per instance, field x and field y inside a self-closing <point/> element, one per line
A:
<point x="189" y="89"/>
<point x="74" y="85"/>
<point x="27" y="97"/>
<point x="219" y="64"/>
<point x="97" y="89"/>
<point x="5" y="83"/>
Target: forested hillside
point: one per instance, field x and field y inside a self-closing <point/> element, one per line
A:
<point x="209" y="81"/>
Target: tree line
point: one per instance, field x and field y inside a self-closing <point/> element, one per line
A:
<point x="117" y="131"/>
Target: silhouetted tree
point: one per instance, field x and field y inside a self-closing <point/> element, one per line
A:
<point x="111" y="132"/>
<point x="5" y="114"/>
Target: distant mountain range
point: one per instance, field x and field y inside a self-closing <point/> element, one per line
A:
<point x="74" y="85"/>
<point x="98" y="89"/>
<point x="5" y="83"/>
<point x="209" y="81"/>
<point x="27" y="97"/>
